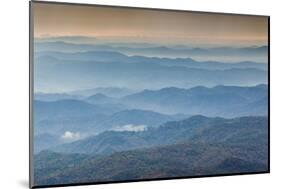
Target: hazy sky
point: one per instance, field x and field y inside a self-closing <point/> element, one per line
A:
<point x="139" y="25"/>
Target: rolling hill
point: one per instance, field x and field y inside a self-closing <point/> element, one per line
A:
<point x="111" y="56"/>
<point x="54" y="124"/>
<point x="186" y="159"/>
<point x="48" y="70"/>
<point x="193" y="129"/>
<point x="228" y="101"/>
<point x="217" y="53"/>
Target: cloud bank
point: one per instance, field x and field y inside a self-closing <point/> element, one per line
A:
<point x="70" y="136"/>
<point x="131" y="128"/>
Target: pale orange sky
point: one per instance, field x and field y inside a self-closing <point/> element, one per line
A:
<point x="143" y="25"/>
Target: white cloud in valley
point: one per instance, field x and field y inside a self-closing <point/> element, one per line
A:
<point x="70" y="136"/>
<point x="130" y="127"/>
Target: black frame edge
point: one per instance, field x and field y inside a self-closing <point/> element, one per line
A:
<point x="268" y="64"/>
<point x="31" y="136"/>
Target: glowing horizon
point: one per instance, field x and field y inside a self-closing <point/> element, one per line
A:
<point x="147" y="25"/>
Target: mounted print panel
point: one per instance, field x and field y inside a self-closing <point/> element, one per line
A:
<point x="123" y="94"/>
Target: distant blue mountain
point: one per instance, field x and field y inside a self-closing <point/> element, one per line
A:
<point x="108" y="91"/>
<point x="111" y="56"/>
<point x="102" y="56"/>
<point x="68" y="39"/>
<point x="217" y="101"/>
<point x="100" y="98"/>
<point x="127" y="74"/>
<point x="54" y="96"/>
<point x="148" y="108"/>
<point x="70" y="107"/>
<point x="45" y="141"/>
<point x="192" y="130"/>
<point x="195" y="146"/>
<point x="135" y="117"/>
<point x="151" y="111"/>
<point x="224" y="53"/>
<point x="57" y="117"/>
<point x="54" y="118"/>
